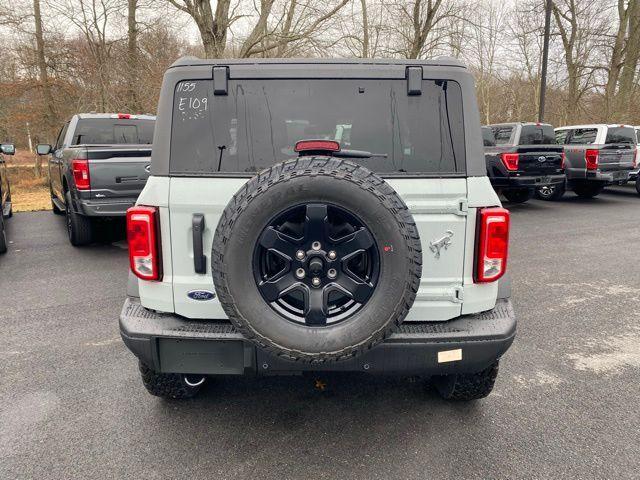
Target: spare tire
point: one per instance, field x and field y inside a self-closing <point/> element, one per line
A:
<point x="316" y="259"/>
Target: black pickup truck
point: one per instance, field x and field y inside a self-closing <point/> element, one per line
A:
<point x="97" y="168"/>
<point x="522" y="157"/>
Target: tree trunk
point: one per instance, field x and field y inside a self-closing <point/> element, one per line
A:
<point x="133" y="103"/>
<point x="365" y="30"/>
<point x="628" y="72"/>
<point x="616" y="59"/>
<point x="49" y="107"/>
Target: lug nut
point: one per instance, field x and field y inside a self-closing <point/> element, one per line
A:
<point x="332" y="273"/>
<point x="316" y="245"/>
<point x="315" y="281"/>
<point x="332" y="255"/>
<point x="300" y="254"/>
<point x="300" y="273"/>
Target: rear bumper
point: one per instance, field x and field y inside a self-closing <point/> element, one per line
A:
<point x="611" y="176"/>
<point x="105" y="208"/>
<point x="527" y="181"/>
<point x="172" y="344"/>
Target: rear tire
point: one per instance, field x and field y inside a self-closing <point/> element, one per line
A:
<point x="467" y="386"/>
<point x="518" y="196"/>
<point x="166" y="385"/>
<point x="79" y="227"/>
<point x="3" y="237"/>
<point x="300" y="184"/>
<point x="588" y="190"/>
<point x="550" y="192"/>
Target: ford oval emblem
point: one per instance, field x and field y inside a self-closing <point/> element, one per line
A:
<point x="201" y="295"/>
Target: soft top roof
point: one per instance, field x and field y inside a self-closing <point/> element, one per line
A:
<point x="437" y="62"/>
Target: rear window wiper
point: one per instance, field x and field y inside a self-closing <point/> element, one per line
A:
<point x="358" y="154"/>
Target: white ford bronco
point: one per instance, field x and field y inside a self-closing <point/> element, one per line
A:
<point x="329" y="215"/>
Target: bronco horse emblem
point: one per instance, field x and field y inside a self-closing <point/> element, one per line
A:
<point x="438" y="245"/>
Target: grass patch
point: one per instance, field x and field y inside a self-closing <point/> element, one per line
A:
<point x="28" y="192"/>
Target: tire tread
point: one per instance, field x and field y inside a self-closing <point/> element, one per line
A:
<point x="312" y="167"/>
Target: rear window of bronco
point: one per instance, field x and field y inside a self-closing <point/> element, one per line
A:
<point x="258" y="123"/>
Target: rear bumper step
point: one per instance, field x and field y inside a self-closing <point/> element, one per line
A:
<point x="609" y="176"/>
<point x="172" y="344"/>
<point x="106" y="208"/>
<point x="526" y="181"/>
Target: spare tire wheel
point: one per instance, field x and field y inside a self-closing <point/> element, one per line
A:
<point x="316" y="259"/>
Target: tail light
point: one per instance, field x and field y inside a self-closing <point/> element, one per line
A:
<point x="510" y="160"/>
<point x="143" y="238"/>
<point x="635" y="158"/>
<point x="591" y="158"/>
<point x="80" y="169"/>
<point x="492" y="244"/>
<point x="563" y="157"/>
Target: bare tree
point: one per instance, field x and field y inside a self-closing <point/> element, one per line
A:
<point x="417" y="23"/>
<point x="45" y="87"/>
<point x="625" y="97"/>
<point x="577" y="26"/>
<point x="485" y="41"/>
<point x="616" y="56"/>
<point x="133" y="104"/>
<point x="213" y="25"/>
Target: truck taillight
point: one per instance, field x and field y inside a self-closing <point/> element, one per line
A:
<point x="591" y="159"/>
<point x="563" y="157"/>
<point x="143" y="238"/>
<point x="635" y="158"/>
<point x="492" y="244"/>
<point x="510" y="160"/>
<point x="81" y="176"/>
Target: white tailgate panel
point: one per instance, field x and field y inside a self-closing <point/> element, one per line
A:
<point x="187" y="197"/>
<point x="437" y="205"/>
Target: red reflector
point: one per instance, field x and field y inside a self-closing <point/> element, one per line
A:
<point x="317" y="146"/>
<point x="80" y="169"/>
<point x="124" y="116"/>
<point x="510" y="160"/>
<point x="591" y="159"/>
<point x="142" y="235"/>
<point x="492" y="244"/>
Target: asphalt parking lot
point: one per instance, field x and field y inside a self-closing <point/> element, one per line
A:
<point x="565" y="405"/>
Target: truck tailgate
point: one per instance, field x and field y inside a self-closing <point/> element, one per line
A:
<point x="540" y="159"/>
<point x="613" y="157"/>
<point x="118" y="172"/>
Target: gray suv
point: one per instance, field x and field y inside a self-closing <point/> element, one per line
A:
<point x="328" y="215"/>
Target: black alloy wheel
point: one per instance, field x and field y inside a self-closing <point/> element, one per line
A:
<point x="316" y="264"/>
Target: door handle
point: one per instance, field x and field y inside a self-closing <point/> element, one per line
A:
<point x="199" y="258"/>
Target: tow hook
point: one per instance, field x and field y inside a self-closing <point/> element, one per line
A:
<point x="193" y="380"/>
